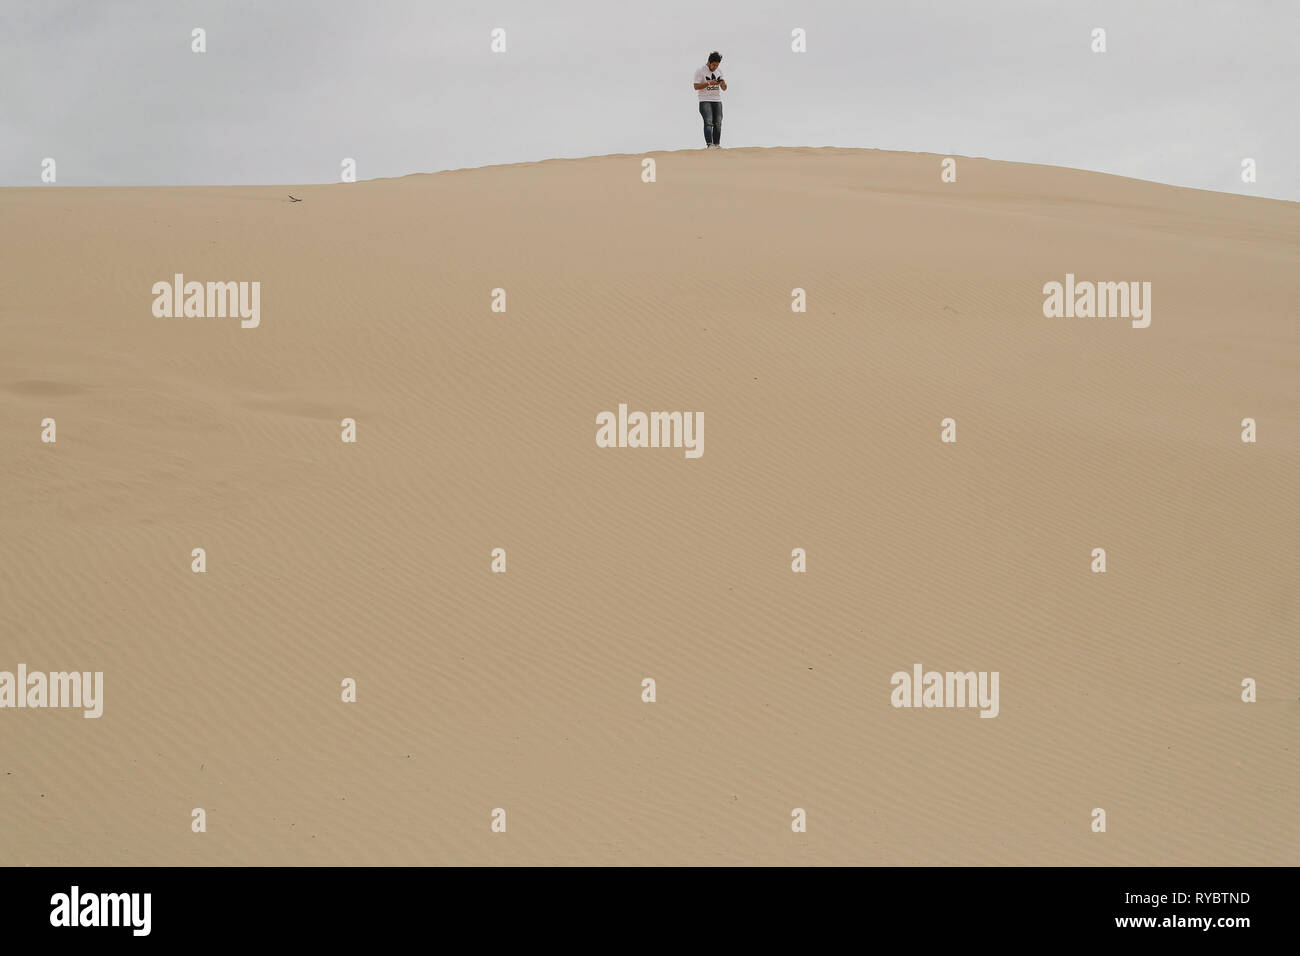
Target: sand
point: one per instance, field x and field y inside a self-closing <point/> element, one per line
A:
<point x="476" y="429"/>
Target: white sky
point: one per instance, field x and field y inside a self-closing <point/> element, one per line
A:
<point x="288" y="88"/>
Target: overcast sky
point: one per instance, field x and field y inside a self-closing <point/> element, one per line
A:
<point x="288" y="88"/>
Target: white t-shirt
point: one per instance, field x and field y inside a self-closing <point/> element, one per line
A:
<point x="711" y="93"/>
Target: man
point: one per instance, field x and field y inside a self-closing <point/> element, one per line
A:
<point x="710" y="84"/>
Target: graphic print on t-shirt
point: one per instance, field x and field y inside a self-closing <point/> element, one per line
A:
<point x="713" y="92"/>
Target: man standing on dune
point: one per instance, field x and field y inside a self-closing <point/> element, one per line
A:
<point x="710" y="84"/>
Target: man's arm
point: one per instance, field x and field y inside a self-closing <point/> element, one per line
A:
<point x="700" y="86"/>
<point x="722" y="83"/>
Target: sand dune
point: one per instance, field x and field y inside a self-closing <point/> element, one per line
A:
<point x="522" y="690"/>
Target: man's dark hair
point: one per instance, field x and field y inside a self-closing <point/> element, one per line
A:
<point x="715" y="55"/>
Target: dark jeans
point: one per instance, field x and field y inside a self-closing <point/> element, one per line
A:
<point x="712" y="113"/>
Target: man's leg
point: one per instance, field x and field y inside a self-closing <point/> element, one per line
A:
<point x="717" y="123"/>
<point x="706" y="113"/>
